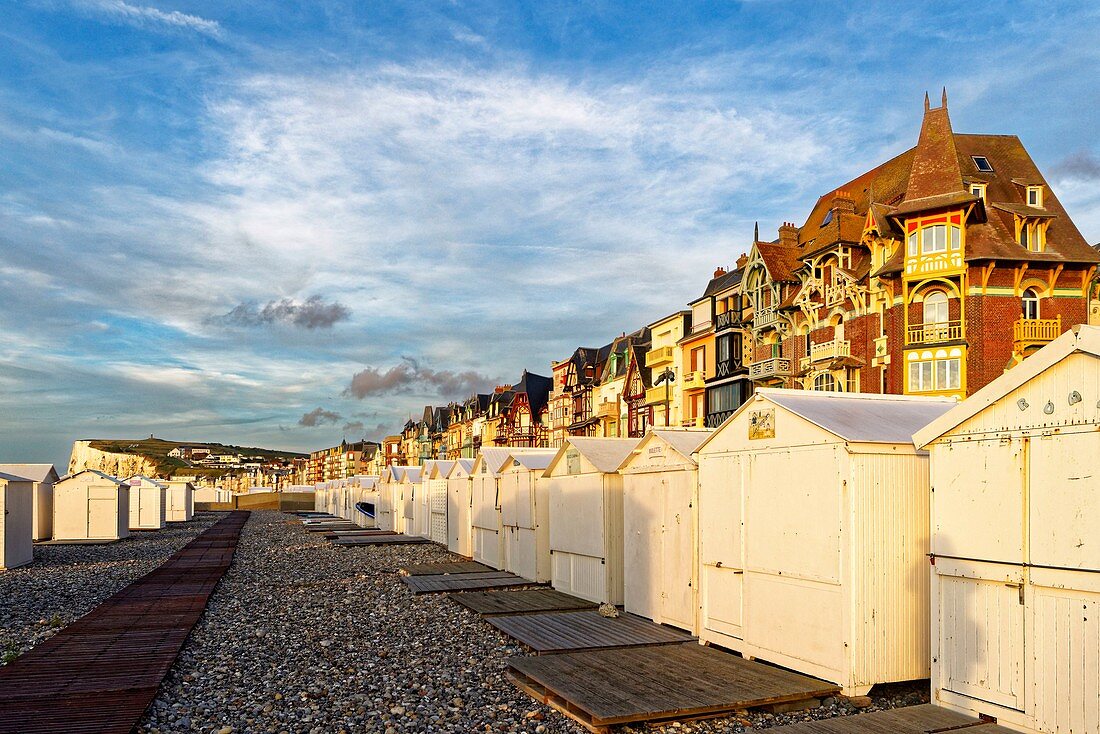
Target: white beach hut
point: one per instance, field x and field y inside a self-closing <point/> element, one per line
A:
<point x="364" y="501"/>
<point x="437" y="501"/>
<point x="16" y="521"/>
<point x="410" y="481"/>
<point x="148" y="503"/>
<point x="180" y="500"/>
<point x="486" y="539"/>
<point x="44" y="477"/>
<point x="586" y="517"/>
<point x="422" y="501"/>
<point x="660" y="528"/>
<point x="459" y="498"/>
<point x="1015" y="472"/>
<point x="90" y="506"/>
<point x="525" y="514"/>
<point x="388" y="504"/>
<point x="813" y="530"/>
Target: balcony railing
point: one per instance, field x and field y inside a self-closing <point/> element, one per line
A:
<point x="773" y="367"/>
<point x="835" y="294"/>
<point x="726" y="320"/>
<point x="944" y="331"/>
<point x="656" y="395"/>
<point x="658" y="357"/>
<point x="765" y="316"/>
<point x="607" y="410"/>
<point x="831" y="349"/>
<point x="694" y="380"/>
<point x="698" y="422"/>
<point x="1029" y="332"/>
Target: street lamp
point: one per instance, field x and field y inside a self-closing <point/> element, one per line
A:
<point x="668" y="377"/>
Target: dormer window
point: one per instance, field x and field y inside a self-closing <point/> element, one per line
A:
<point x="982" y="163"/>
<point x="1035" y="196"/>
<point x="1032" y="235"/>
<point x="978" y="190"/>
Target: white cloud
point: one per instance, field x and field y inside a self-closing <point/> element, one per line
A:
<point x="144" y="16"/>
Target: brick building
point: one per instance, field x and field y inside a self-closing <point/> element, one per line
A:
<point x="930" y="274"/>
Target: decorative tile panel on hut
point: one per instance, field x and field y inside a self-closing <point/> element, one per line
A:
<point x="813" y="534"/>
<point x="1015" y="544"/>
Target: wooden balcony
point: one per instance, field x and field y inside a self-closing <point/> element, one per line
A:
<point x="764" y="317"/>
<point x="607" y="410"/>
<point x="694" y="380"/>
<point x="658" y="357"/>
<point x="698" y="422"/>
<point x="832" y="349"/>
<point x="656" y="395"/>
<point x="726" y="320"/>
<point x="945" y="331"/>
<point x="1035" y="332"/>
<point x="770" y="368"/>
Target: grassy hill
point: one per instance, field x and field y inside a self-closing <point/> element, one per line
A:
<point x="156" y="450"/>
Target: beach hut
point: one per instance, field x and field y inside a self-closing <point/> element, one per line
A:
<point x="387" y="498"/>
<point x="44" y="477"/>
<point x="660" y="487"/>
<point x="180" y="500"/>
<point x="585" y="491"/>
<point x="437" y="501"/>
<point x="364" y="501"/>
<point x="16" y="521"/>
<point x="410" y="481"/>
<point x="1015" y="546"/>
<point x="486" y="539"/>
<point x="90" y="506"/>
<point x="422" y="504"/>
<point x="525" y="514"/>
<point x="148" y="501"/>
<point x="813" y="531"/>
<point x="459" y="499"/>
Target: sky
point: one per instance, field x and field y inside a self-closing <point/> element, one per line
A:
<point x="283" y="224"/>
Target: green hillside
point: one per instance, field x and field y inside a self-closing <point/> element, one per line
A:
<point x="156" y="450"/>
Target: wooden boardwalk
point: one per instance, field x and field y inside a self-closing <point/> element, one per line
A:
<point x="926" y="719"/>
<point x="478" y="581"/>
<point x="330" y="527"/>
<point x="603" y="688"/>
<point x="439" y="569"/>
<point x="360" y="533"/>
<point x="386" y="539"/>
<point x="527" y="601"/>
<point x="554" y="632"/>
<point x="100" y="673"/>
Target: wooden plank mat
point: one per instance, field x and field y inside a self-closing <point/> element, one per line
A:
<point x="601" y="688"/>
<point x="361" y="533"/>
<point x="464" y="582"/>
<point x="924" y="719"/>
<point x="438" y="569"/>
<point x="330" y="528"/>
<point x="391" y="539"/>
<point x="555" y="632"/>
<point x="527" y="601"/>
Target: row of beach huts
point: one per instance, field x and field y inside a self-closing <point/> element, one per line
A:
<point x="87" y="507"/>
<point x="862" y="539"/>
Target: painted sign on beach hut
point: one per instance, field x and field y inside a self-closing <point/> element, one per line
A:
<point x="91" y="506"/>
<point x="813" y="534"/>
<point x="660" y="484"/>
<point x="525" y="514"/>
<point x="16" y="521"/>
<point x="586" y="517"/>
<point x="148" y="500"/>
<point x="44" y="476"/>
<point x="459" y="488"/>
<point x="1015" y="472"/>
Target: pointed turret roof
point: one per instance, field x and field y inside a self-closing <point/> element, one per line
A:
<point x="935" y="178"/>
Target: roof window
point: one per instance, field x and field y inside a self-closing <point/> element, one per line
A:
<point x="982" y="163"/>
<point x="828" y="217"/>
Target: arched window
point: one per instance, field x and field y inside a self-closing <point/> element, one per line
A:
<point x="935" y="308"/>
<point x="825" y="381"/>
<point x="1031" y="304"/>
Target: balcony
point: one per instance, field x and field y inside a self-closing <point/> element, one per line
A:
<point x="656" y="395"/>
<point x="1035" y="332"/>
<point x="765" y="316"/>
<point x="944" y="331"/>
<point x="835" y="294"/>
<point x="694" y="380"/>
<point x="607" y="410"/>
<point x="825" y="351"/>
<point x="770" y="368"/>
<point x="698" y="422"/>
<point x="726" y="320"/>
<point x="658" y="357"/>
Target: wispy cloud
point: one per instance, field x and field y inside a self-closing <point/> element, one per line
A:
<point x="312" y="313"/>
<point x="318" y="417"/>
<point x="145" y="16"/>
<point x="409" y="375"/>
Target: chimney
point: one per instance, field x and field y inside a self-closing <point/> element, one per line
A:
<point x="719" y="272"/>
<point x="502" y="388"/>
<point x="843" y="203"/>
<point x="741" y="261"/>
<point x="788" y="235"/>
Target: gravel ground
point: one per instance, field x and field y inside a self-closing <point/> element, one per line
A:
<point x="303" y="636"/>
<point x="66" y="581"/>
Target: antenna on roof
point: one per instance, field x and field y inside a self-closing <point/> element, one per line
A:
<point x="927" y="103"/>
<point x="756" y="232"/>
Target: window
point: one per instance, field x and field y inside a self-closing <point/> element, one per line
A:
<point x="828" y="218"/>
<point x="825" y="381"/>
<point x="777" y="347"/>
<point x="1031" y="304"/>
<point x="978" y="189"/>
<point x="982" y="163"/>
<point x="935" y="308"/>
<point x="934" y="239"/>
<point x="929" y="375"/>
<point x="1035" y="196"/>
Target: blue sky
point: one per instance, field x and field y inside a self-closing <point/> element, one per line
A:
<point x="218" y="218"/>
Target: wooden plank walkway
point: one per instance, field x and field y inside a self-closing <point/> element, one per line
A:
<point x="361" y="533"/>
<point x="439" y="569"/>
<point x="527" y="601"/>
<point x="101" y="672"/>
<point x="477" y="581"/>
<point x="925" y="719"/>
<point x="603" y="688"/>
<point x="555" y="632"/>
<point x="388" y="539"/>
<point x="328" y="528"/>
